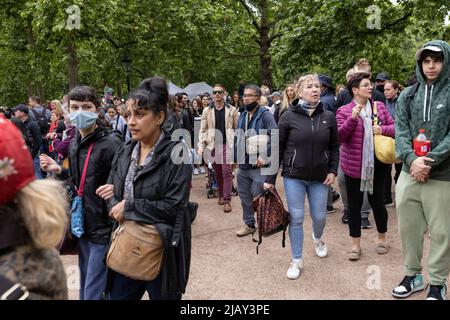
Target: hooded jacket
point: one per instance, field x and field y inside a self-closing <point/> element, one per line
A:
<point x="97" y="223"/>
<point x="309" y="145"/>
<point x="161" y="195"/>
<point x="429" y="110"/>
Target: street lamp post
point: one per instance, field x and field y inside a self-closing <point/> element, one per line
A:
<point x="126" y="61"/>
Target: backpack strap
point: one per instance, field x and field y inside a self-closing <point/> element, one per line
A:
<point x="12" y="291"/>
<point x="36" y="114"/>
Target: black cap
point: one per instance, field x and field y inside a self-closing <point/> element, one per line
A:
<point x="21" y="107"/>
<point x="383" y="77"/>
<point x="325" y="80"/>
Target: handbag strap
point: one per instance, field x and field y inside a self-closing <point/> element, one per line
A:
<point x="83" y="176"/>
<point x="375" y="113"/>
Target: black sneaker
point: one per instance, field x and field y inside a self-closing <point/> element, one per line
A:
<point x="408" y="286"/>
<point x="330" y="209"/>
<point x="345" y="217"/>
<point x="336" y="196"/>
<point x="365" y="223"/>
<point x="437" y="292"/>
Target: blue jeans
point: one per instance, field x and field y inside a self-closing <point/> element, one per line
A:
<point x="37" y="167"/>
<point x="93" y="273"/>
<point x="124" y="288"/>
<point x="250" y="183"/>
<point x="295" y="191"/>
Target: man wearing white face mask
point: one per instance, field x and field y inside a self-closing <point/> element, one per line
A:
<point x="102" y="143"/>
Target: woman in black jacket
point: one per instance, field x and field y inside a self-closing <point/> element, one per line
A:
<point x="151" y="187"/>
<point x="309" y="151"/>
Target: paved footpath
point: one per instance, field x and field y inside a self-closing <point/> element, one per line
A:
<point x="224" y="266"/>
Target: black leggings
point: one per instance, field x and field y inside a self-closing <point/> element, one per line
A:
<point x="376" y="200"/>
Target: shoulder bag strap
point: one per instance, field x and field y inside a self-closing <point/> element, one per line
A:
<point x="375" y="113"/>
<point x="83" y="176"/>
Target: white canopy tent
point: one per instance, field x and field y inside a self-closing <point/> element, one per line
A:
<point x="197" y="88"/>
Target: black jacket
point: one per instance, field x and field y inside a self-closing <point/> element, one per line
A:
<point x="328" y="100"/>
<point x="34" y="140"/>
<point x="97" y="222"/>
<point x="161" y="195"/>
<point x="309" y="146"/>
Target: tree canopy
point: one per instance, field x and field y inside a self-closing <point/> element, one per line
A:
<point x="217" y="41"/>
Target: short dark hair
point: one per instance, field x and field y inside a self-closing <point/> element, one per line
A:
<point x="84" y="93"/>
<point x="35" y="98"/>
<point x="219" y="85"/>
<point x="151" y="95"/>
<point x="355" y="81"/>
<point x="254" y="88"/>
<point x="437" y="56"/>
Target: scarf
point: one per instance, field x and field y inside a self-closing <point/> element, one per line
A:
<point x="368" y="161"/>
<point x="309" y="109"/>
<point x="134" y="167"/>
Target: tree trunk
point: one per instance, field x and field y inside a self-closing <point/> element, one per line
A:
<point x="72" y="62"/>
<point x="32" y="42"/>
<point x="265" y="42"/>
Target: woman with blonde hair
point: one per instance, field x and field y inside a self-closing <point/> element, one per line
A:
<point x="289" y="95"/>
<point x="32" y="223"/>
<point x="56" y="105"/>
<point x="309" y="152"/>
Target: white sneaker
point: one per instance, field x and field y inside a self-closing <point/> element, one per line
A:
<point x="321" y="248"/>
<point x="195" y="171"/>
<point x="294" y="269"/>
<point x="201" y="170"/>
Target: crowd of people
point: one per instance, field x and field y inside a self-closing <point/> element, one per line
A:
<point x="131" y="163"/>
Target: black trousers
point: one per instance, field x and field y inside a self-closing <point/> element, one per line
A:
<point x="376" y="200"/>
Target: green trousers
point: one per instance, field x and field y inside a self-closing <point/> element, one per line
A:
<point x="424" y="208"/>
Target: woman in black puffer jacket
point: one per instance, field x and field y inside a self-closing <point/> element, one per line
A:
<point x="309" y="151"/>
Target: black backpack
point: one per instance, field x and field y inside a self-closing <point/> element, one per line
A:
<point x="42" y="121"/>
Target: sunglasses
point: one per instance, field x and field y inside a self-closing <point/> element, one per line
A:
<point x="218" y="92"/>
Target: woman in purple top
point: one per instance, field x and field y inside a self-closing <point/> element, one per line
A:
<point x="61" y="144"/>
<point x="363" y="172"/>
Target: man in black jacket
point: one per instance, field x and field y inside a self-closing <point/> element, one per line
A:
<point x="33" y="132"/>
<point x="84" y="107"/>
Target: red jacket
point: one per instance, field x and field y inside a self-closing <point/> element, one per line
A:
<point x="351" y="136"/>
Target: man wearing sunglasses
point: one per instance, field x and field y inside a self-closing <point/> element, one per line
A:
<point x="216" y="137"/>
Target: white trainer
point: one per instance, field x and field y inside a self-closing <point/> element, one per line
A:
<point x="295" y="267"/>
<point x="195" y="171"/>
<point x="321" y="248"/>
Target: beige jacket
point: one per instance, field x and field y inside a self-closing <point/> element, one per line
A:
<point x="208" y="126"/>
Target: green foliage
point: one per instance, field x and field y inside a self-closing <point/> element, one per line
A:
<point x="203" y="40"/>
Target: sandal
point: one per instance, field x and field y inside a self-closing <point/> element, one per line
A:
<point x="382" y="248"/>
<point x="354" y="255"/>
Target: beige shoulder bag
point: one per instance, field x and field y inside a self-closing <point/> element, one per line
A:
<point x="136" y="251"/>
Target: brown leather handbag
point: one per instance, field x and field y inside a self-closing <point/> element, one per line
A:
<point x="136" y="251"/>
